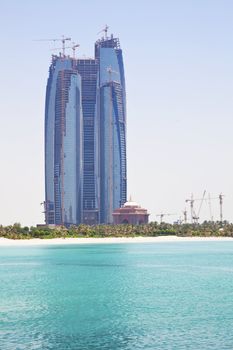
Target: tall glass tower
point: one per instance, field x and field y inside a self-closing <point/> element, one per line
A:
<point x="85" y="137"/>
<point x="112" y="126"/>
<point x="88" y="70"/>
<point x="63" y="144"/>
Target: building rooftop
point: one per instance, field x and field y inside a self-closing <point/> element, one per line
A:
<point x="130" y="204"/>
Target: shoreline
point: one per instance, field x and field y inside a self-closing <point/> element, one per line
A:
<point x="108" y="240"/>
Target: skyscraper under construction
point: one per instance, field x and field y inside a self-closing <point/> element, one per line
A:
<point x="85" y="136"/>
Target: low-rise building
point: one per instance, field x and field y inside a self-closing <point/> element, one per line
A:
<point x="130" y="213"/>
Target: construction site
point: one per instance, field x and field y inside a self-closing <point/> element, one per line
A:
<point x="194" y="208"/>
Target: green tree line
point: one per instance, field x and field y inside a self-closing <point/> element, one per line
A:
<point x="206" y="229"/>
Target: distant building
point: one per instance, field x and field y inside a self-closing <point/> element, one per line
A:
<point x="130" y="213"/>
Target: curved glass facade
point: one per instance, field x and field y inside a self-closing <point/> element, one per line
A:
<point x="85" y="137"/>
<point x="63" y="144"/>
<point x="112" y="127"/>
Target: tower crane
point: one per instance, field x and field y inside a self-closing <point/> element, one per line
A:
<point x="194" y="215"/>
<point x="73" y="47"/>
<point x="221" y="203"/>
<point x="185" y="215"/>
<point x="105" y="30"/>
<point x="161" y="215"/>
<point x="63" y="40"/>
<point x="220" y="198"/>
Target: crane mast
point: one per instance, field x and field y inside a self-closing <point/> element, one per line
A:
<point x="194" y="215"/>
<point x="105" y="30"/>
<point x="63" y="40"/>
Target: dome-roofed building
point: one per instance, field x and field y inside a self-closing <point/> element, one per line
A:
<point x="130" y="213"/>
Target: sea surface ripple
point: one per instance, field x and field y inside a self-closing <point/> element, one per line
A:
<point x="166" y="296"/>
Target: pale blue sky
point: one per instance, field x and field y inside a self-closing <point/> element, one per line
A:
<point x="178" y="62"/>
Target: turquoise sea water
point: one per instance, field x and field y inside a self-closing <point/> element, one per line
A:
<point x="117" y="296"/>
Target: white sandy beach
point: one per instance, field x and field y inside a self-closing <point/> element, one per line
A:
<point x="62" y="241"/>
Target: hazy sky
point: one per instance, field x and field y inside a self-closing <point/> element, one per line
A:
<point x="178" y="57"/>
